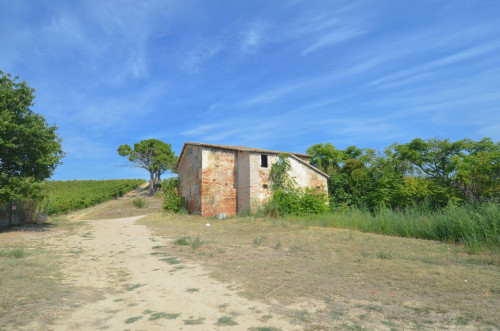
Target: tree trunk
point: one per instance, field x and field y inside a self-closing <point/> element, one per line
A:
<point x="158" y="179"/>
<point x="151" y="183"/>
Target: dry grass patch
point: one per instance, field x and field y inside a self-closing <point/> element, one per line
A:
<point x="29" y="286"/>
<point x="127" y="206"/>
<point x="343" y="278"/>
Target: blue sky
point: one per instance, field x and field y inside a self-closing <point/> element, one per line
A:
<point x="269" y="74"/>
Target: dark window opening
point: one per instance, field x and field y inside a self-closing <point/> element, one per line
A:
<point x="265" y="186"/>
<point x="263" y="161"/>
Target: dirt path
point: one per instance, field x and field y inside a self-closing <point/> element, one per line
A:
<point x="123" y="283"/>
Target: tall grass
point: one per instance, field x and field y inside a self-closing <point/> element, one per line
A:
<point x="475" y="226"/>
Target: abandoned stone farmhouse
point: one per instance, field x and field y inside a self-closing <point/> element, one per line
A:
<point x="228" y="179"/>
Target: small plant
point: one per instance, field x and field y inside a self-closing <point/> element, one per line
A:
<point x="384" y="255"/>
<point x="196" y="243"/>
<point x="192" y="290"/>
<point x="139" y="203"/>
<point x="257" y="241"/>
<point x="157" y="315"/>
<point x="194" y="321"/>
<point x="183" y="211"/>
<point x="132" y="319"/>
<point x="183" y="241"/>
<point x="15" y="253"/>
<point x="277" y="246"/>
<point x="226" y="320"/>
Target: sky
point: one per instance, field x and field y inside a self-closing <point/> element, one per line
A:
<point x="280" y="75"/>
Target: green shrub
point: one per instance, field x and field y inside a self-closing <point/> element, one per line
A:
<point x="172" y="203"/>
<point x="139" y="203"/>
<point x="172" y="200"/>
<point x="313" y="202"/>
<point x="170" y="185"/>
<point x="295" y="202"/>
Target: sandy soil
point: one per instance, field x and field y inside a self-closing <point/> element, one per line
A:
<point x="122" y="283"/>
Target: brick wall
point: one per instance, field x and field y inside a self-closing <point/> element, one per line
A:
<point x="219" y="185"/>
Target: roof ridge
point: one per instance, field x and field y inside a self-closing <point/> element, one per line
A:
<point x="244" y="149"/>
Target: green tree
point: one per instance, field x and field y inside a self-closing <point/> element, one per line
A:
<point x="325" y="157"/>
<point x="153" y="155"/>
<point x="30" y="148"/>
<point x="478" y="172"/>
<point x="437" y="159"/>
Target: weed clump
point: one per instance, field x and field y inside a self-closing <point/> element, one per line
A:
<point x="139" y="203"/>
<point x="13" y="254"/>
<point x="226" y="320"/>
<point x="186" y="241"/>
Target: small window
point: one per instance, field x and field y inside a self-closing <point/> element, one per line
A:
<point x="265" y="186"/>
<point x="263" y="161"/>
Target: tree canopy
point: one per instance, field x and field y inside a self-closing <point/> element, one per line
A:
<point x="431" y="171"/>
<point x="30" y="148"/>
<point x="152" y="155"/>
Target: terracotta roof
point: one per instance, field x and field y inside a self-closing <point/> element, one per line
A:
<point x="296" y="156"/>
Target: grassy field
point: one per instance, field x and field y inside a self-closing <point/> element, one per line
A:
<point x="477" y="227"/>
<point x="327" y="278"/>
<point x="140" y="204"/>
<point x="31" y="276"/>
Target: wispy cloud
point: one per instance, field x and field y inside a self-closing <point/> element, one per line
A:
<point x="333" y="38"/>
<point x="195" y="58"/>
<point x="253" y="37"/>
<point x="423" y="69"/>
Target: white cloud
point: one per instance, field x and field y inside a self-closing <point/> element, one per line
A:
<point x="334" y="37"/>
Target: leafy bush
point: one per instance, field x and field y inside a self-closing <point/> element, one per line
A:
<point x="139" y="203"/>
<point x="172" y="201"/>
<point x="313" y="202"/>
<point x="296" y="202"/>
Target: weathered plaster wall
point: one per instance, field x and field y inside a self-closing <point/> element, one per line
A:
<point x="307" y="177"/>
<point x="260" y="186"/>
<point x="189" y="171"/>
<point x="243" y="181"/>
<point x="219" y="186"/>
